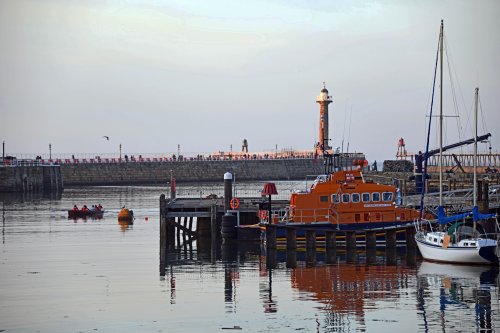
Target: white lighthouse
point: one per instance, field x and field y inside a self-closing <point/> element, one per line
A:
<point x="323" y="99"/>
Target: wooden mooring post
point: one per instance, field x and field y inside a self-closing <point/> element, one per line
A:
<point x="310" y="239"/>
<point x="311" y="247"/>
<point x="163" y="234"/>
<point x="271" y="236"/>
<point x="350" y="240"/>
<point x="167" y="230"/>
<point x="331" y="246"/>
<point x="291" y="238"/>
<point x="411" y="243"/>
<point x="390" y="238"/>
<point x="214" y="227"/>
<point x="330" y="240"/>
<point x="370" y="240"/>
<point x="291" y="258"/>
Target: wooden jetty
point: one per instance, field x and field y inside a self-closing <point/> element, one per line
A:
<point x="183" y="220"/>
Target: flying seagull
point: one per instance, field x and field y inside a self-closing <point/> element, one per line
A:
<point x="106" y="137"/>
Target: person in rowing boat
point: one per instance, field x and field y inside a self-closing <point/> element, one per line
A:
<point x="75" y="208"/>
<point x="85" y="208"/>
<point x="93" y="208"/>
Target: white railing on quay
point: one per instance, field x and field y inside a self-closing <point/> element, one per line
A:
<point x="138" y="159"/>
<point x="18" y="163"/>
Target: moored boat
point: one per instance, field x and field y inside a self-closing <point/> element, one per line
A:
<point x="460" y="240"/>
<point x="344" y="200"/>
<point x="456" y="239"/>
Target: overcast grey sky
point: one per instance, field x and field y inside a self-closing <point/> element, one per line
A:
<point x="206" y="74"/>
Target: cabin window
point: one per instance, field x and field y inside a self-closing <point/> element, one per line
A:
<point x="335" y="198"/>
<point x="355" y="197"/>
<point x="435" y="240"/>
<point x="367" y="216"/>
<point x="323" y="198"/>
<point x="387" y="196"/>
<point x="366" y="197"/>
<point x="472" y="244"/>
<point x="345" y="198"/>
<point x="357" y="217"/>
<point x="375" y="196"/>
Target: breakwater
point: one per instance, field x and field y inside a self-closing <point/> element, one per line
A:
<point x="143" y="173"/>
<point x="27" y="178"/>
<point x="34" y="177"/>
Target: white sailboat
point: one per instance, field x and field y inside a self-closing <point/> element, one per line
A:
<point x="456" y="241"/>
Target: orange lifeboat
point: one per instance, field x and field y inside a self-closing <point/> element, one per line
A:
<point x="344" y="199"/>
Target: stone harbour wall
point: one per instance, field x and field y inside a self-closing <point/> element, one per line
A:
<point x="30" y="178"/>
<point x="130" y="173"/>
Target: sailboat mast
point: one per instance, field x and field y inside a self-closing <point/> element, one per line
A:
<point x="441" y="115"/>
<point x="475" y="147"/>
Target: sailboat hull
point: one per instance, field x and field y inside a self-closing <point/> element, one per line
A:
<point x="484" y="253"/>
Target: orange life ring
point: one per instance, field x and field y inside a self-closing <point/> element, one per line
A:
<point x="234" y="203"/>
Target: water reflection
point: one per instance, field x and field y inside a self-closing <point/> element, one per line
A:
<point x="91" y="275"/>
<point x="125" y="225"/>
<point x="346" y="289"/>
<point x="446" y="293"/>
<point x="350" y="290"/>
<point x="269" y="302"/>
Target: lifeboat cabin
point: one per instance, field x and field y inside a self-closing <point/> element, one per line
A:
<point x="344" y="200"/>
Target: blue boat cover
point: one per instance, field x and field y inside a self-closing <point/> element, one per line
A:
<point x="443" y="219"/>
<point x="478" y="216"/>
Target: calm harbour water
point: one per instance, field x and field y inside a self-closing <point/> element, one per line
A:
<point x="60" y="275"/>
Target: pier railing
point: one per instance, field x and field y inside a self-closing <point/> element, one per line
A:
<point x="133" y="156"/>
<point x="17" y="163"/>
<point x="114" y="160"/>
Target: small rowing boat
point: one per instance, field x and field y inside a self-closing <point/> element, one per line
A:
<point x="73" y="214"/>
